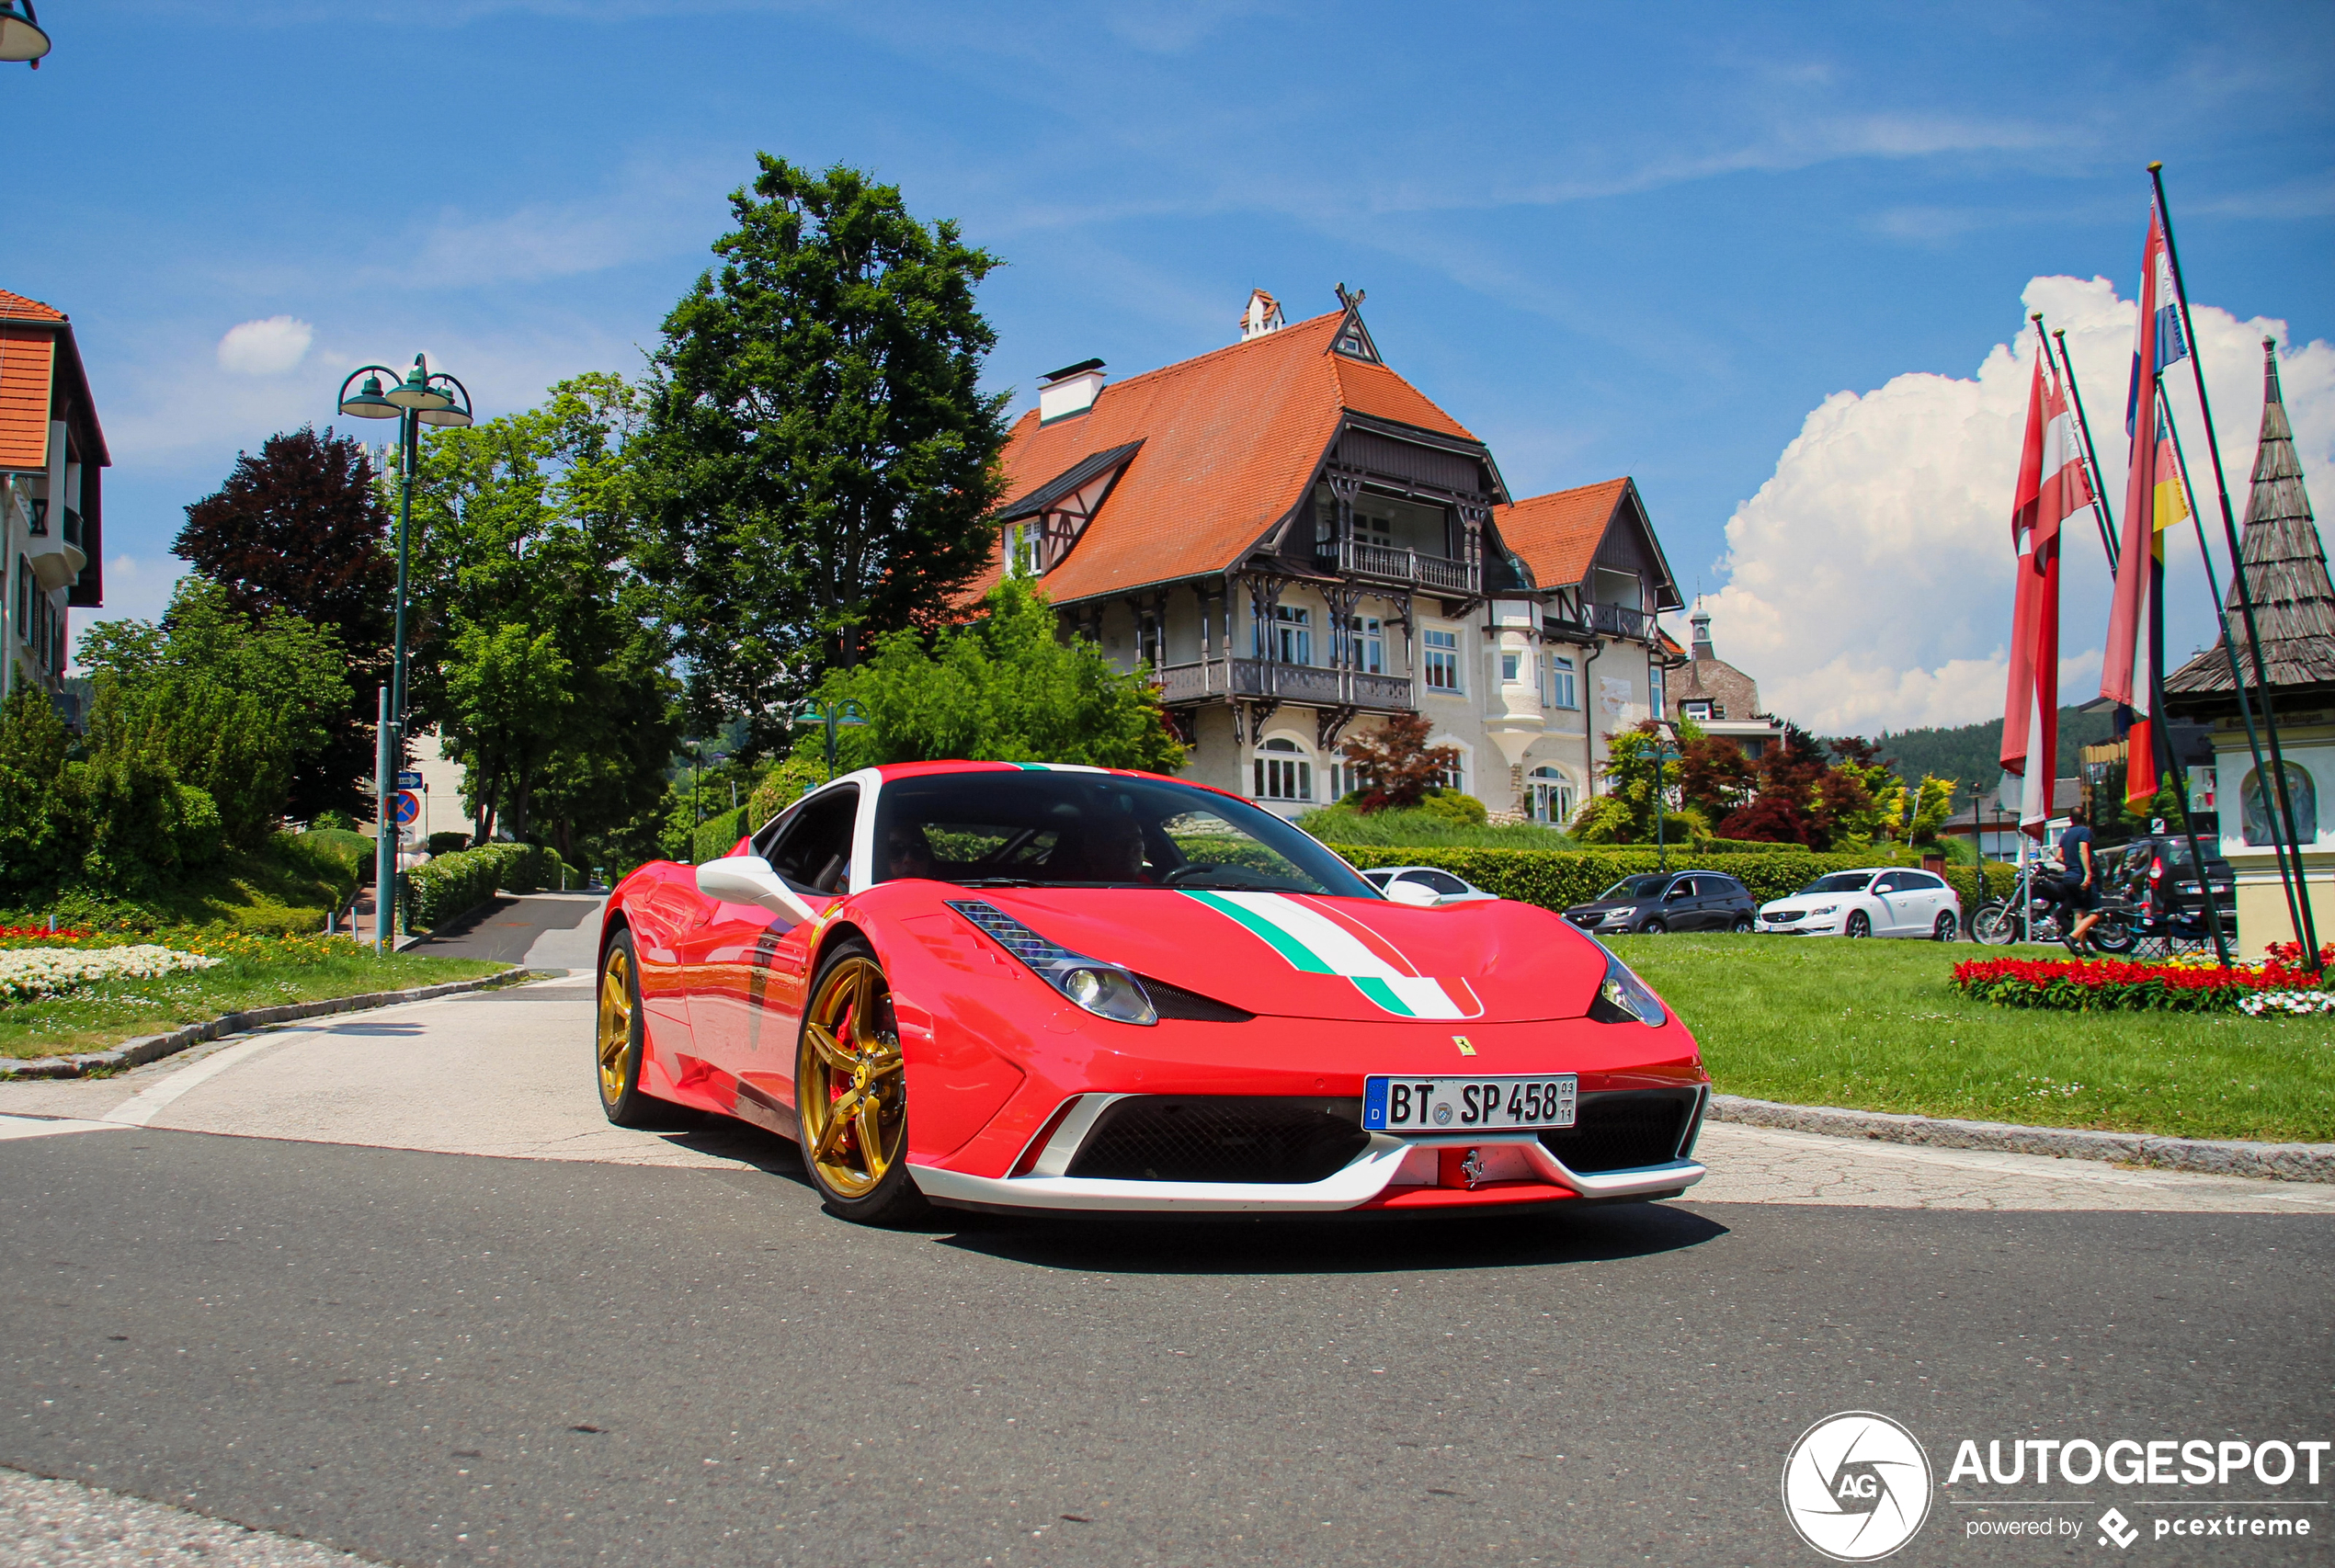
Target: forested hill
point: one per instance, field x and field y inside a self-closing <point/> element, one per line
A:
<point x="1971" y="753"/>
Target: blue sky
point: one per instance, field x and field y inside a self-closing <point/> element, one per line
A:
<point x="1648" y="240"/>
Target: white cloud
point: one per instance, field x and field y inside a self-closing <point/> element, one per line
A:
<point x="1869" y="581"/>
<point x="266" y="348"/>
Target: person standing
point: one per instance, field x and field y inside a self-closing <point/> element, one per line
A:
<point x="2080" y="884"/>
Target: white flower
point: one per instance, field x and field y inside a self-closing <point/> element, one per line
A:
<point x="2299" y="1003"/>
<point x="30" y="973"/>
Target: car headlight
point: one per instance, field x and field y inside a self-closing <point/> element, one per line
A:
<point x="1826" y="909"/>
<point x="1614" y="916"/>
<point x="1623" y="998"/>
<point x="1103" y="989"/>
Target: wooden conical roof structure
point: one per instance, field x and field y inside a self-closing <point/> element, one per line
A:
<point x="2285" y="571"/>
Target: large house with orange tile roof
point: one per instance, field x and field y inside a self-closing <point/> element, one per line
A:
<point x="51" y="521"/>
<point x="1298" y="541"/>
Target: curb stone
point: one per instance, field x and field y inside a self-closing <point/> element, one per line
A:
<point x="155" y="1047"/>
<point x="2230" y="1157"/>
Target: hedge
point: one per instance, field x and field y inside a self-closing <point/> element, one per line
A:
<point x="1555" y="879"/>
<point x="447" y="885"/>
<point x="717" y="836"/>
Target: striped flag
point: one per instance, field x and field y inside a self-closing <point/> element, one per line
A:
<point x="2052" y="485"/>
<point x="2135" y="652"/>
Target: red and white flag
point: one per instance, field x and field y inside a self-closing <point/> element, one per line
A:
<point x="2052" y="486"/>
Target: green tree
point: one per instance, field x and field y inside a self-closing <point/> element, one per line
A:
<point x="1637" y="786"/>
<point x="820" y="456"/>
<point x="232" y="704"/>
<point x="1931" y="806"/>
<point x="2164" y="806"/>
<point x="526" y="526"/>
<point x="40" y="834"/>
<point x="1001" y="689"/>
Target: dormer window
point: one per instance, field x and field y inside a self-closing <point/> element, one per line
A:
<point x="1023" y="542"/>
<point x="1701" y="713"/>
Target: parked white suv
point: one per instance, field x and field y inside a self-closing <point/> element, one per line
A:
<point x="1883" y="901"/>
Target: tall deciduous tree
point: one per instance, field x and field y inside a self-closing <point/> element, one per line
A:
<point x="822" y="459"/>
<point x="1004" y="689"/>
<point x="525" y="525"/>
<point x="302" y="528"/>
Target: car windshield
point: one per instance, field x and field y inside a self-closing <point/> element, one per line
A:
<point x="1064" y="829"/>
<point x="1839" y="881"/>
<point x="1634" y="887"/>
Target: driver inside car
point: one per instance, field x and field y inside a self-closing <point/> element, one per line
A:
<point x="1107" y="847"/>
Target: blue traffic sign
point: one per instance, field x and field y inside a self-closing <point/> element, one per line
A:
<point x="409" y="780"/>
<point x="409" y="808"/>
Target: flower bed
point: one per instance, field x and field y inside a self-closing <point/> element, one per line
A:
<point x="28" y="974"/>
<point x="2277" y="986"/>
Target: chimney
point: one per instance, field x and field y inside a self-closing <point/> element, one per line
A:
<point x="1071" y="390"/>
<point x="1263" y="315"/>
<point x="1701" y="621"/>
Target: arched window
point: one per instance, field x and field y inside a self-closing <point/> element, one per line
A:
<point x="2261" y="805"/>
<point x="1549" y="796"/>
<point x="1283" y="772"/>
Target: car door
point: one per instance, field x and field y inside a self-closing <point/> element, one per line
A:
<point x="1677" y="911"/>
<point x="1888" y="892"/>
<point x="1934" y="896"/>
<point x="750" y="965"/>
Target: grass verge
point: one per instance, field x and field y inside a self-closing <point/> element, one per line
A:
<point x="1878" y="1025"/>
<point x="108" y="1015"/>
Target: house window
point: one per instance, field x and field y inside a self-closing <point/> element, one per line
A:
<point x="1441" y="660"/>
<point x="1549" y="797"/>
<point x="23" y="600"/>
<point x="1293" y="635"/>
<point x="1653" y="688"/>
<point x="1699" y="711"/>
<point x="1373" y="647"/>
<point x="1563" y="692"/>
<point x="1453" y="777"/>
<point x="1023" y="540"/>
<point x="1283" y="772"/>
<point x="1511" y="668"/>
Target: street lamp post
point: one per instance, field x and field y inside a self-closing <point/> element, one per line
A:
<point x="1663" y="756"/>
<point x="21" y="36"/>
<point x="420" y="398"/>
<point x="846" y="713"/>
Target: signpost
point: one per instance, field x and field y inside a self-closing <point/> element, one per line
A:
<point x="409" y="808"/>
<point x="409" y="780"/>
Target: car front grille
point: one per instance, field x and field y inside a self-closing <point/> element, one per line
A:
<point x="1221" y="1138"/>
<point x="1586" y="917"/>
<point x="1623" y="1129"/>
<point x="1783" y="916"/>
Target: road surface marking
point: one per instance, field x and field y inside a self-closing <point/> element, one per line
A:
<point x="141" y="1108"/>
<point x="44" y="1127"/>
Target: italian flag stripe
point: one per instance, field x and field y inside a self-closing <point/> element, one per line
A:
<point x="1315" y="943"/>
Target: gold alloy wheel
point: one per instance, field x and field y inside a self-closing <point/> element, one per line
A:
<point x="850" y="1088"/>
<point x="616" y="1026"/>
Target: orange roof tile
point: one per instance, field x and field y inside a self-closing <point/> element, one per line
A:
<point x="1230" y="440"/>
<point x="27" y="359"/>
<point x="1557" y="534"/>
<point x="16" y="307"/>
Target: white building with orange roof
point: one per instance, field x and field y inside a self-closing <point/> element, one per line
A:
<point x="52" y="454"/>
<point x="1299" y="541"/>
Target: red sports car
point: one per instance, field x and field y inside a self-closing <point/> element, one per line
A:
<point x="1018" y="986"/>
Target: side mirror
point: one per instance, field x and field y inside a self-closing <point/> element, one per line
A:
<point x="747" y="878"/>
<point x="1402" y="891"/>
<point x="1675" y="892"/>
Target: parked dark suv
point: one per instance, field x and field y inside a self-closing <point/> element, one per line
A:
<point x="1668" y="901"/>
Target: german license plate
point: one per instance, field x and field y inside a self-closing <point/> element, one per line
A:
<point x="1467" y="1104"/>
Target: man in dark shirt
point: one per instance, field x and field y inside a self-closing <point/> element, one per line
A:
<point x="2080" y="885"/>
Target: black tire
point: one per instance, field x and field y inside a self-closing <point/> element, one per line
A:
<point x="621" y="1042"/>
<point x="892" y="1199"/>
<point x="1859" y="925"/>
<point x="2112" y="935"/>
<point x="1654" y="927"/>
<point x="1945" y="928"/>
<point x="1743" y="924"/>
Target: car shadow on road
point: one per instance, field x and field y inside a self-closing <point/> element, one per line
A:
<point x="1335" y="1244"/>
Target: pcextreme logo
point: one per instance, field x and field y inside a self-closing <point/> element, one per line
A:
<point x="1856" y="1486"/>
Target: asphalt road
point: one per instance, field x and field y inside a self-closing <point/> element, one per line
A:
<point x="387" y="1282"/>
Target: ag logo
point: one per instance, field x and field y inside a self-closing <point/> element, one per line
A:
<point x="1856" y="1486"/>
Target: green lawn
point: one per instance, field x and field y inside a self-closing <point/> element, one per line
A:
<point x="123" y="1010"/>
<point x="1878" y="1025"/>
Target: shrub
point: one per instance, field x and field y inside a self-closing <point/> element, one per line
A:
<point x="1342" y="823"/>
<point x="1452" y="806"/>
<point x="1556" y="878"/>
<point x="717" y="836"/>
<point x="447" y="842"/>
<point x="439" y="890"/>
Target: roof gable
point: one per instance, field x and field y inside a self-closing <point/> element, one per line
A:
<point x="1563" y="534"/>
<point x="1229" y="444"/>
<point x="15" y="307"/>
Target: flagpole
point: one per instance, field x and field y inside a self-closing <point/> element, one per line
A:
<point x="2306" y="931"/>
<point x="2237" y="676"/>
<point x="2066" y="369"/>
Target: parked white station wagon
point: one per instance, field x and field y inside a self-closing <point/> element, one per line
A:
<point x="1883" y="901"/>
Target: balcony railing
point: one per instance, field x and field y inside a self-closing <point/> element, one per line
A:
<point x="1307" y="684"/>
<point x="1605" y="621"/>
<point x="1387" y="563"/>
<point x="72" y="528"/>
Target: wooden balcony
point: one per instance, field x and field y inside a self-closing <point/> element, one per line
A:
<point x="1307" y="684"/>
<point x="1381" y="563"/>
<point x="1604" y="620"/>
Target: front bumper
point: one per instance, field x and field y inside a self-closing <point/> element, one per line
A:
<point x="1390" y="1171"/>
